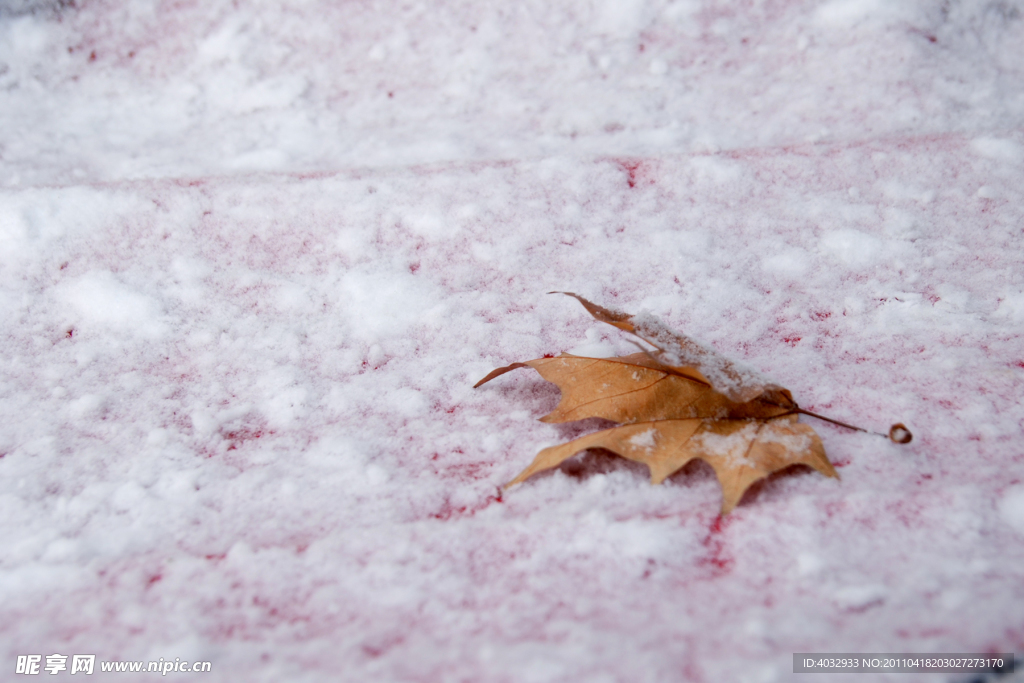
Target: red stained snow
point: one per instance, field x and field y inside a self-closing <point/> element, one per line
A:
<point x="717" y="558"/>
<point x="237" y="437"/>
<point x="636" y="171"/>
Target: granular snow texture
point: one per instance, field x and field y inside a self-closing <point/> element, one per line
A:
<point x="253" y="258"/>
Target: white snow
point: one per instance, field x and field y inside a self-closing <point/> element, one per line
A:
<point x="859" y="597"/>
<point x="998" y="148"/>
<point x="733" y="447"/>
<point x="774" y="433"/>
<point x="1011" y="508"/>
<point x="598" y="344"/>
<point x="253" y="257"/>
<point x="646" y="439"/>
<point x="853" y="247"/>
<point x="99" y="300"/>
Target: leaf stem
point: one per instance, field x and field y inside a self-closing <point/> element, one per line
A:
<point x="897" y="433"/>
<point x="836" y="422"/>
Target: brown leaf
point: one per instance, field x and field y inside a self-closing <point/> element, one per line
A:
<point x="740" y="451"/>
<point x="679" y="402"/>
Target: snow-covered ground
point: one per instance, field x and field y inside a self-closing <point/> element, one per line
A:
<point x="253" y="257"/>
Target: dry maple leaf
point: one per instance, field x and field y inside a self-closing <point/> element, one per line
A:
<point x="680" y="402"/>
<point x="740" y="451"/>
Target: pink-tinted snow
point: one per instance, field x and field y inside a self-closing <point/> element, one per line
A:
<point x="253" y="257"/>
